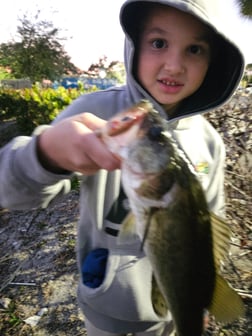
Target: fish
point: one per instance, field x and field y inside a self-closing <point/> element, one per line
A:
<point x="184" y="241"/>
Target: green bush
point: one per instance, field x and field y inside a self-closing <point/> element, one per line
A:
<point x="8" y="104"/>
<point x="36" y="106"/>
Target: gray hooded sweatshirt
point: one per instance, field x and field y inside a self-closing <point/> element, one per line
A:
<point x="120" y="303"/>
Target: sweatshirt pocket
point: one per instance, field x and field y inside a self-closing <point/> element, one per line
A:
<point x="94" y="267"/>
<point x="125" y="291"/>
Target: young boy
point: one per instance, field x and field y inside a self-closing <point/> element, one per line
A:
<point x="176" y="58"/>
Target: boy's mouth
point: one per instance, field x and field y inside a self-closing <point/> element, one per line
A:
<point x="170" y="83"/>
<point x="170" y="86"/>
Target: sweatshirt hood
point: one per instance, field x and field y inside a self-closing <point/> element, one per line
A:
<point x="225" y="70"/>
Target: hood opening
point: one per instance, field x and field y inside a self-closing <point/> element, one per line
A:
<point x="225" y="70"/>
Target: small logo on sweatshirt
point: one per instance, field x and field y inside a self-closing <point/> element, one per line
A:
<point x="202" y="167"/>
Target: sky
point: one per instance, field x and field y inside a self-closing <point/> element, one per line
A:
<point x="92" y="27"/>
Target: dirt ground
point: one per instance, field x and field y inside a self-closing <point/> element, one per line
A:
<point x="38" y="271"/>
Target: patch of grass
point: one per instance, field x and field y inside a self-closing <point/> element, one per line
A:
<point x="71" y="243"/>
<point x="75" y="183"/>
<point x="10" y="316"/>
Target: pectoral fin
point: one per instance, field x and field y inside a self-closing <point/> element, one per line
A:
<point x="128" y="232"/>
<point x="158" y="302"/>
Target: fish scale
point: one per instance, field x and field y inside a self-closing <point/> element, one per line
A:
<point x="183" y="241"/>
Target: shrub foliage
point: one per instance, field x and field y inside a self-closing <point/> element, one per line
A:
<point x="36" y="106"/>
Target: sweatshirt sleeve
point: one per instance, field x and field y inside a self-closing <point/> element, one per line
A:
<point x="215" y="192"/>
<point x="213" y="152"/>
<point x="206" y="151"/>
<point x="24" y="183"/>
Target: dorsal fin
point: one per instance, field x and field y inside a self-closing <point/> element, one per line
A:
<point x="221" y="238"/>
<point x="226" y="304"/>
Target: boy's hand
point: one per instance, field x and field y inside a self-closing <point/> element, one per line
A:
<point x="71" y="145"/>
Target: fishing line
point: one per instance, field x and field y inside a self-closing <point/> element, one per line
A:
<point x="151" y="212"/>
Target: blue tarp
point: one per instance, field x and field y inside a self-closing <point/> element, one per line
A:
<point x="73" y="82"/>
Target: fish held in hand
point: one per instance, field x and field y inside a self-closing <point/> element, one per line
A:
<point x="183" y="241"/>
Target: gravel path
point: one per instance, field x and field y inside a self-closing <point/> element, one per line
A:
<point x="38" y="271"/>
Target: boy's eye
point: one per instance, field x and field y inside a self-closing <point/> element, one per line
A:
<point x="195" y="49"/>
<point x="159" y="44"/>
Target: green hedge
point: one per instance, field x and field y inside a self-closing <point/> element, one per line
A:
<point x="36" y="106"/>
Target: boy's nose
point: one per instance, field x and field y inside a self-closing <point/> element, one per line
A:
<point x="174" y="63"/>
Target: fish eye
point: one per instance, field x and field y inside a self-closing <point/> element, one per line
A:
<point x="155" y="133"/>
<point x="126" y="118"/>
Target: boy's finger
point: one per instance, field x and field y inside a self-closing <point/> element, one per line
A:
<point x="91" y="121"/>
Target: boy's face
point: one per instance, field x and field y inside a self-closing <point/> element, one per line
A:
<point x="173" y="57"/>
